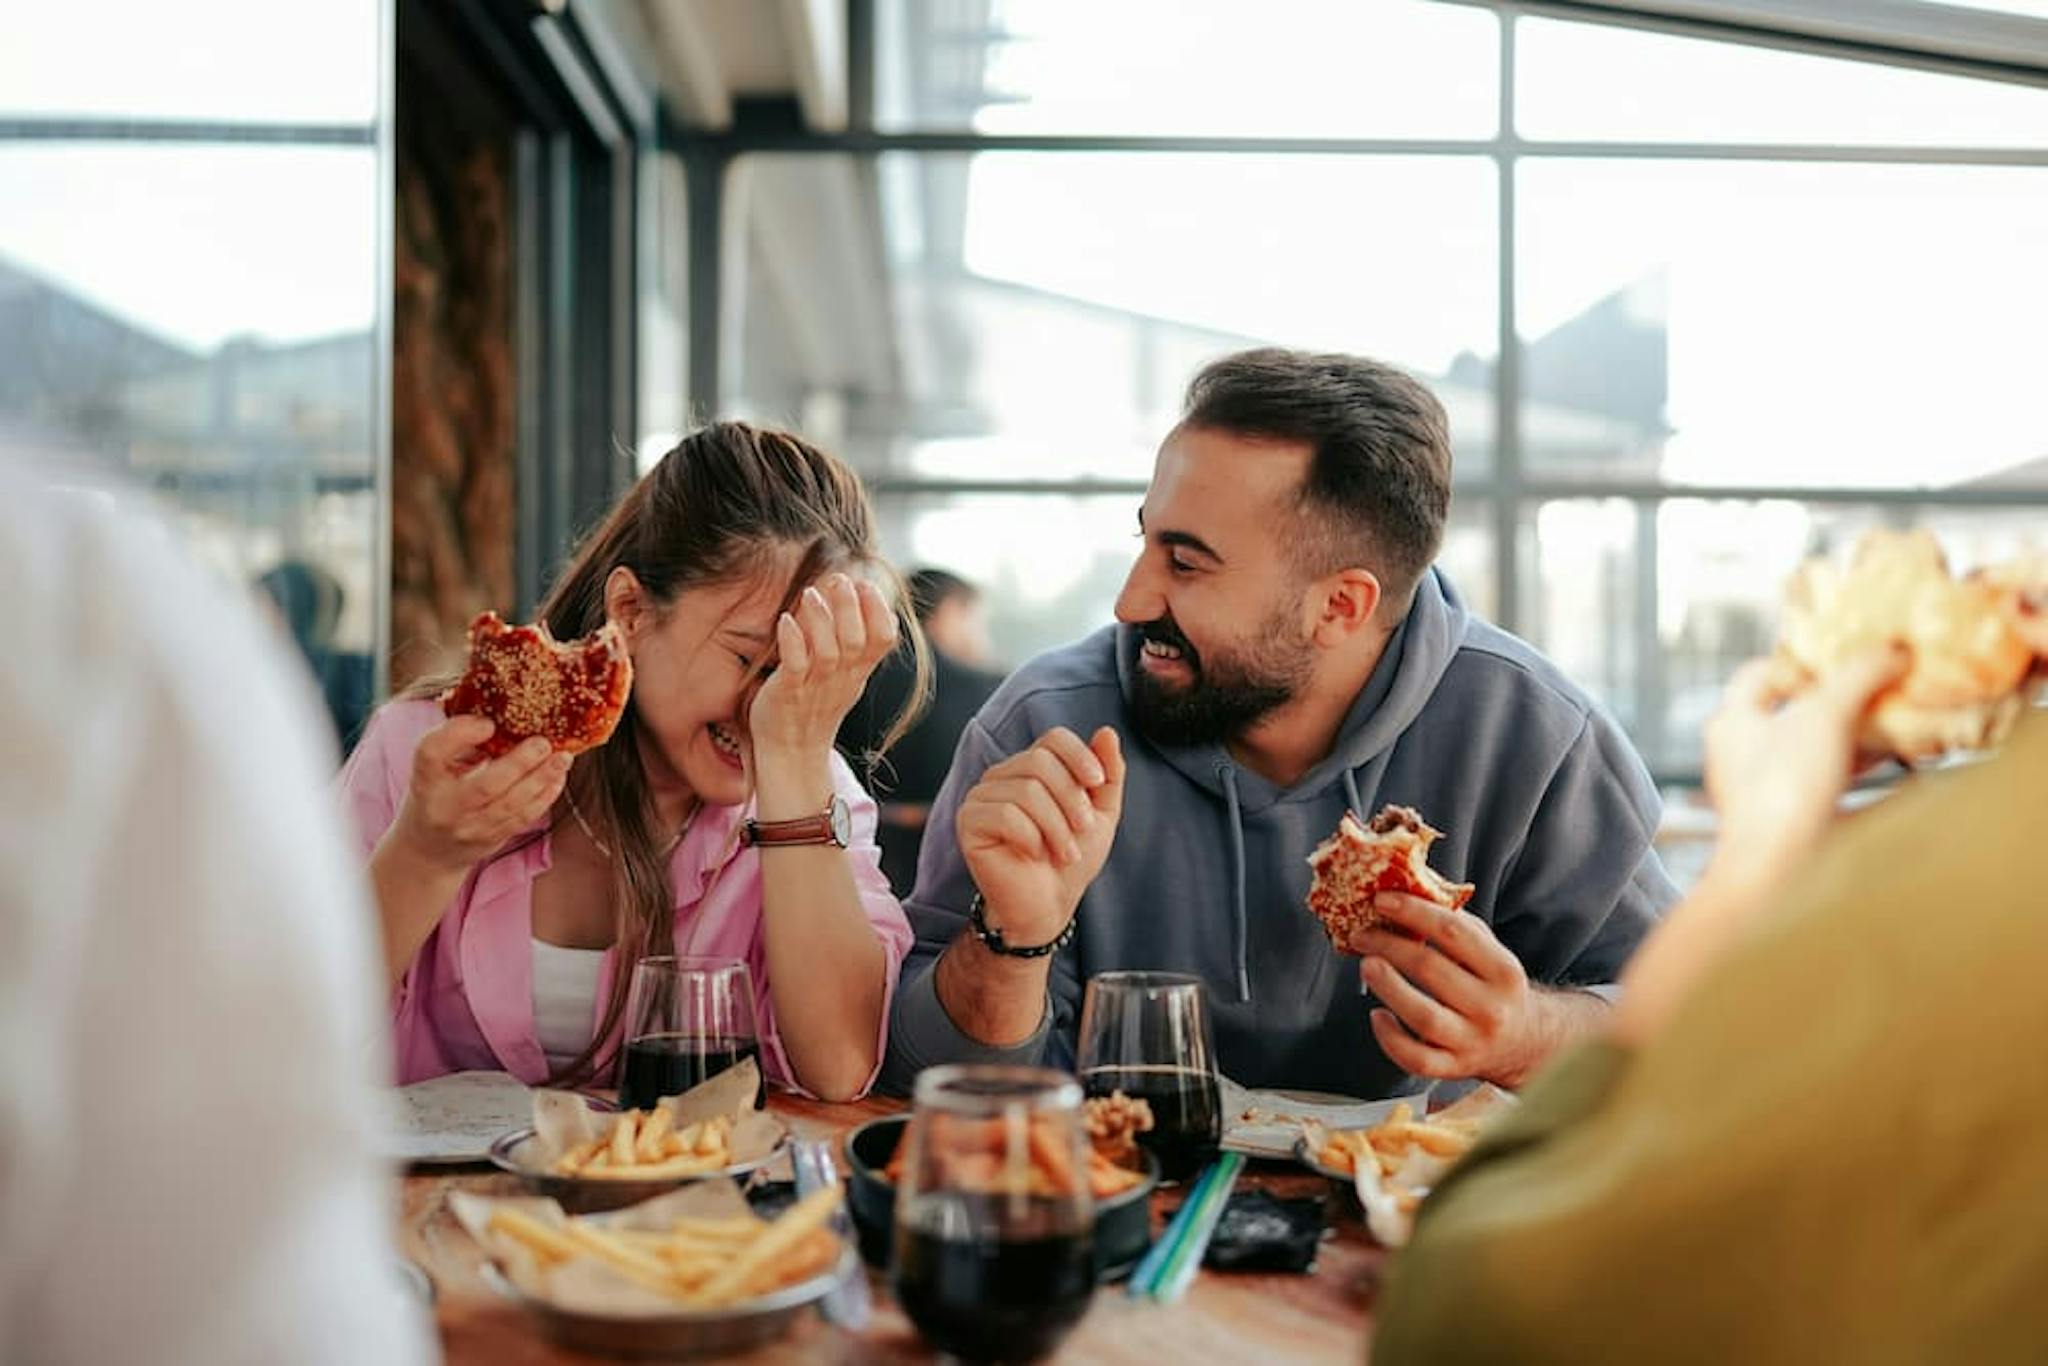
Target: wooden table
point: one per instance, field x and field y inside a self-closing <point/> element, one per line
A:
<point x="1224" y="1318"/>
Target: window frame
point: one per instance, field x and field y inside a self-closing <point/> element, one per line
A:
<point x="1509" y="491"/>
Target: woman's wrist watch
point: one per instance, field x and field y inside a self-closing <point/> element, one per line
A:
<point x="833" y="826"/>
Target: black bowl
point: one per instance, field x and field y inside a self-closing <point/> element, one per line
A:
<point x="1123" y="1223"/>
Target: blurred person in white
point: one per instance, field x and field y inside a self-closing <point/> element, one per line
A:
<point x="188" y="1017"/>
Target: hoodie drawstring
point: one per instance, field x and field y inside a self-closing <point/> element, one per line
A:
<point x="1228" y="775"/>
<point x="1376" y="768"/>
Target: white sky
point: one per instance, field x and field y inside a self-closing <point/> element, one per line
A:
<point x="244" y="61"/>
<point x="198" y="244"/>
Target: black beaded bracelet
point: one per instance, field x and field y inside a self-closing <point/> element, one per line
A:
<point x="993" y="938"/>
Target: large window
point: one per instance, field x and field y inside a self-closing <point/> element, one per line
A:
<point x="1696" y="307"/>
<point x="189" y="292"/>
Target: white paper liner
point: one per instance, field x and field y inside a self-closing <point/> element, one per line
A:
<point x="1390" y="1200"/>
<point x="585" y="1284"/>
<point x="563" y="1120"/>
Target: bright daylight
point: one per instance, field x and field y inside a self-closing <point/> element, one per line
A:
<point x="1325" y="681"/>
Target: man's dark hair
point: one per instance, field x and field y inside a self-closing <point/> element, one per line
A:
<point x="1378" y="489"/>
<point x="932" y="588"/>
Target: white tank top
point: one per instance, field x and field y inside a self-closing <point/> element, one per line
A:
<point x="564" y="999"/>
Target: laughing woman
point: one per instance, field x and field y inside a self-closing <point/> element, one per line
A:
<point x="517" y="893"/>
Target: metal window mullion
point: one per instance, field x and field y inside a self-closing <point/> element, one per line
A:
<point x="627" y="186"/>
<point x="1506" y="475"/>
<point x="1885" y="154"/>
<point x="558" y="284"/>
<point x="533" y="353"/>
<point x="1546" y="490"/>
<point x="791" y="141"/>
<point x="383" y="332"/>
<point x="704" y="179"/>
<point x="1989" y="58"/>
<point x="32" y="129"/>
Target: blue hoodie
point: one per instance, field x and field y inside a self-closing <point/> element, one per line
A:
<point x="1544" y="804"/>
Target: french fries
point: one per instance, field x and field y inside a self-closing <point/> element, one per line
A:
<point x="1390" y="1143"/>
<point x="697" y="1262"/>
<point x="645" y="1145"/>
<point x="970" y="1155"/>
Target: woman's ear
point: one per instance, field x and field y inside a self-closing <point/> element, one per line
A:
<point x="1350" y="598"/>
<point x="626" y="602"/>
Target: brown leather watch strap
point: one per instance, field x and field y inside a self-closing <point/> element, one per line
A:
<point x="830" y="826"/>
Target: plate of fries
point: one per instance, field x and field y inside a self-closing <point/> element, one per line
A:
<point x="589" y="1160"/>
<point x="1393" y="1164"/>
<point x="692" y="1273"/>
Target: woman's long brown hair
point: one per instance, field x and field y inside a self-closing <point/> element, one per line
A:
<point x="719" y="508"/>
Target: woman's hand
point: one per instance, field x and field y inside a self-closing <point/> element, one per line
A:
<point x="827" y="646"/>
<point x="461" y="807"/>
<point x="1775" y="768"/>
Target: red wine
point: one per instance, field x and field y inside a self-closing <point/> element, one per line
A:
<point x="1187" y="1112"/>
<point x="668" y="1064"/>
<point x="990" y="1300"/>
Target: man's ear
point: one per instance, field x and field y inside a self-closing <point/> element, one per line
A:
<point x="626" y="602"/>
<point x="1347" y="603"/>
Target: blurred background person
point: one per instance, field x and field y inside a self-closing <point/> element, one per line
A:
<point x="309" y="600"/>
<point x="906" y="777"/>
<point x="189" y="1023"/>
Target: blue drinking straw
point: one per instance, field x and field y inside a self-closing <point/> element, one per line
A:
<point x="1180" y="1247"/>
<point x="1194" y="1240"/>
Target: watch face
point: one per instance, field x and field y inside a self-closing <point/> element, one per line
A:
<point x="842" y="821"/>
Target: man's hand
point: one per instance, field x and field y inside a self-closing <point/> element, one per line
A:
<point x="1454" y="1001"/>
<point x="1037" y="829"/>
<point x="1034" y="833"/>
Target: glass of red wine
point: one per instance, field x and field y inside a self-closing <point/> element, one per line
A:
<point x="1146" y="1034"/>
<point x="687" y="1020"/>
<point x="994" y="1220"/>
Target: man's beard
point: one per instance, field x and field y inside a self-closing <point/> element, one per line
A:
<point x="1231" y="690"/>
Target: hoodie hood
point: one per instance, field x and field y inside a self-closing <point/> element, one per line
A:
<point x="1401" y="684"/>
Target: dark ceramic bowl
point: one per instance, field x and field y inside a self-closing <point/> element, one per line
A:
<point x="1123" y="1223"/>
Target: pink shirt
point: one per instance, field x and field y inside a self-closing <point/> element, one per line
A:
<point x="466" y="1000"/>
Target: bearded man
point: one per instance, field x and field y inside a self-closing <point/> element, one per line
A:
<point x="1147" y="798"/>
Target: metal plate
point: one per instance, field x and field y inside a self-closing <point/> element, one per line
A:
<point x="587" y="1195"/>
<point x="685" y="1333"/>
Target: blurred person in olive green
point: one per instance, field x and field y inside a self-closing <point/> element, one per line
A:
<point x="1817" y="1127"/>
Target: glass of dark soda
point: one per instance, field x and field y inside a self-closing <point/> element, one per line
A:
<point x="994" y="1220"/>
<point x="687" y="1020"/>
<point x="1146" y="1034"/>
